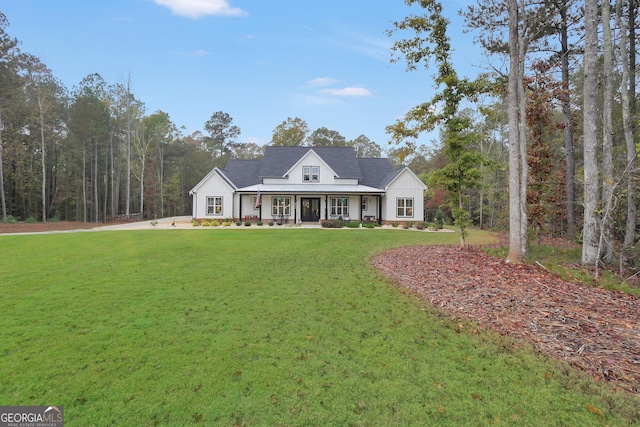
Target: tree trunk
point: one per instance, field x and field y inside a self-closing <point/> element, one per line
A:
<point x="606" y="229"/>
<point x="570" y="160"/>
<point x="590" y="117"/>
<point x="627" y="57"/>
<point x="42" y="159"/>
<point x="96" y="207"/>
<point x="515" y="236"/>
<point x="3" y="202"/>
<point x="84" y="182"/>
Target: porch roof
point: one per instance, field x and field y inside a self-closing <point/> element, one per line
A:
<point x="318" y="189"/>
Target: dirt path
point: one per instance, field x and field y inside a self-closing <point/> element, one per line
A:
<point x="593" y="329"/>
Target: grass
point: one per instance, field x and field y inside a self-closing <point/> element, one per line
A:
<point x="261" y="327"/>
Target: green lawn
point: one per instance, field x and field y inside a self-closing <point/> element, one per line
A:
<point x="260" y="327"/>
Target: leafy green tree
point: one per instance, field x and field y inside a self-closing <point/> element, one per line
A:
<point x="9" y="90"/>
<point x="222" y="135"/>
<point x="89" y="125"/>
<point x="431" y="42"/>
<point x="291" y="132"/>
<point x="46" y="97"/>
<point x="365" y="148"/>
<point x="323" y="137"/>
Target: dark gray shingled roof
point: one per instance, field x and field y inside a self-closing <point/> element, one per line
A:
<point x="243" y="173"/>
<point x="278" y="160"/>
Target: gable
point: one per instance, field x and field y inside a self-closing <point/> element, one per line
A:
<point x="405" y="179"/>
<point x="278" y="161"/>
<point x="213" y="180"/>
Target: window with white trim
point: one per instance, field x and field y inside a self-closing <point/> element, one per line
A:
<point x="340" y="206"/>
<point x="280" y="206"/>
<point x="404" y="208"/>
<point x="311" y="174"/>
<point x="214" y="205"/>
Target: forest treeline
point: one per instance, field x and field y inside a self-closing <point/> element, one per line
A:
<point x="543" y="143"/>
<point x="93" y="153"/>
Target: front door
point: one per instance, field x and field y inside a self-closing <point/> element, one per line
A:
<point x="310" y="210"/>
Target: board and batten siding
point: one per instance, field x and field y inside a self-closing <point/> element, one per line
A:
<point x="404" y="186"/>
<point x="214" y="187"/>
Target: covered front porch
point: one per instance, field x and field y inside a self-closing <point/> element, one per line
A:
<point x="309" y="208"/>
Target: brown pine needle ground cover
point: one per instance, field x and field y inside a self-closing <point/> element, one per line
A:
<point x="593" y="329"/>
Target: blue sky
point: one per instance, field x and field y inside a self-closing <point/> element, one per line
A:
<point x="260" y="61"/>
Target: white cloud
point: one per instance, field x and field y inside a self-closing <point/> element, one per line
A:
<point x="347" y="91"/>
<point x="198" y="8"/>
<point x="322" y="81"/>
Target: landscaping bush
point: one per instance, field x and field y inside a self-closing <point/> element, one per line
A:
<point x="226" y="223"/>
<point x="369" y="225"/>
<point x="332" y="223"/>
<point x="352" y="224"/>
<point x="420" y="225"/>
<point x="195" y="223"/>
<point x="30" y="220"/>
<point x="206" y="223"/>
<point x="439" y="222"/>
<point x="395" y="223"/>
<point x="10" y="220"/>
<point x="238" y="223"/>
<point x="259" y="223"/>
<point x="247" y="223"/>
<point x="271" y="223"/>
<point x="215" y="223"/>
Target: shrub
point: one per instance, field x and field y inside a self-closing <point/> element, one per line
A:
<point x="271" y="223"/>
<point x="332" y="223"/>
<point x="30" y="220"/>
<point x="247" y="223"/>
<point x="259" y="223"/>
<point x="195" y="223"/>
<point x="369" y="225"/>
<point x="206" y="223"/>
<point x="226" y="223"/>
<point x="439" y="219"/>
<point x="410" y="224"/>
<point x="420" y="225"/>
<point x="54" y="219"/>
<point x="10" y="220"/>
<point x="395" y="223"/>
<point x="215" y="223"/>
<point x="352" y="224"/>
<point x="238" y="223"/>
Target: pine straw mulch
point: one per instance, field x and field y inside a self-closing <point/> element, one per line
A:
<point x="593" y="329"/>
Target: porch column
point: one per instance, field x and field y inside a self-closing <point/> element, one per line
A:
<point x="240" y="208"/>
<point x="326" y="207"/>
<point x="361" y="208"/>
<point x="295" y="209"/>
<point x="379" y="209"/>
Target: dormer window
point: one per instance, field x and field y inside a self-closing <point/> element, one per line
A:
<point x="311" y="174"/>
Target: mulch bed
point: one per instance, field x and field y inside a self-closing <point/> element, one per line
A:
<point x="593" y="329"/>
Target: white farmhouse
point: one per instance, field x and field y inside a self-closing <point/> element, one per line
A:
<point x="307" y="185"/>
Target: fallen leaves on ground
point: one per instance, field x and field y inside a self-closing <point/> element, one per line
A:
<point x="592" y="328"/>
